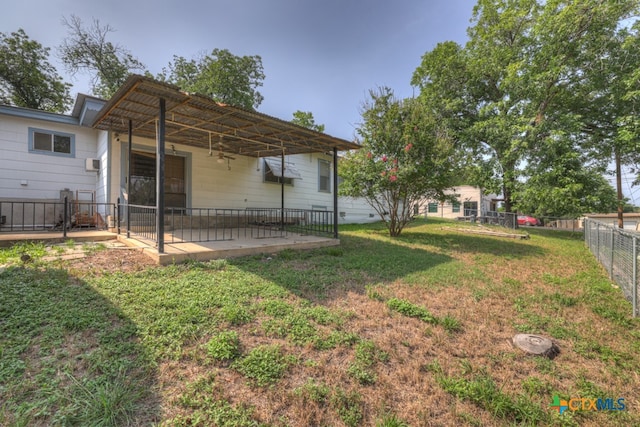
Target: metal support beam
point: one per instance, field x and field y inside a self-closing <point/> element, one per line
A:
<point x="282" y="193"/>
<point x="130" y="168"/>
<point x="335" y="192"/>
<point x="160" y="176"/>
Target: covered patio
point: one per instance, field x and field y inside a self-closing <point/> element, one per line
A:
<point x="146" y="108"/>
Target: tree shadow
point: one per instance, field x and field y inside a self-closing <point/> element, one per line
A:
<point x="371" y="258"/>
<point x="331" y="273"/>
<point x="68" y="355"/>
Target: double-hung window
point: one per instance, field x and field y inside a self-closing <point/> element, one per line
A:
<point x="324" y="176"/>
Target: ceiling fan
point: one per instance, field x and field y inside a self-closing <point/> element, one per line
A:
<point x="221" y="155"/>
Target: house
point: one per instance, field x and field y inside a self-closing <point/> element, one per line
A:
<point x="216" y="164"/>
<point x="471" y="201"/>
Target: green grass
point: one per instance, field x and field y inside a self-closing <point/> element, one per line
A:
<point x="325" y="337"/>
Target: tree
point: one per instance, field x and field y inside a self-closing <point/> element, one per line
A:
<point x="305" y="119"/>
<point x="406" y="156"/>
<point x="563" y="182"/>
<point x="515" y="81"/>
<point x="87" y="50"/>
<point x="609" y="111"/>
<point x="222" y="76"/>
<point x="27" y="79"/>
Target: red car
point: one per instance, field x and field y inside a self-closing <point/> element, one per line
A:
<point x="528" y="220"/>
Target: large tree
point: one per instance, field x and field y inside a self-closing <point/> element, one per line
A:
<point x="27" y="79"/>
<point x="406" y="156"/>
<point x="222" y="76"/>
<point x="514" y="82"/>
<point x="305" y="119"/>
<point x="86" y="49"/>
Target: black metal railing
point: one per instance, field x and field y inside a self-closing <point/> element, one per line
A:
<point x="65" y="215"/>
<point x="139" y="220"/>
<point x="218" y="224"/>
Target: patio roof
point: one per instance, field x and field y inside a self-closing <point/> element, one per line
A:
<point x="198" y="121"/>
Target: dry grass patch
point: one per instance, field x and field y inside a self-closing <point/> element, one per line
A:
<point x="311" y="338"/>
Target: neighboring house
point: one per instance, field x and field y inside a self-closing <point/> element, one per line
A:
<point x="215" y="156"/>
<point x="470" y="201"/>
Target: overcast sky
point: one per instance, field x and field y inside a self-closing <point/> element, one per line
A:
<point x="321" y="56"/>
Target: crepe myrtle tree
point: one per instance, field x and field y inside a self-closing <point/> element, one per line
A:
<point x="405" y="157"/>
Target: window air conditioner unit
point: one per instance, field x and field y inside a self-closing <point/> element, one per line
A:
<point x="92" y="165"/>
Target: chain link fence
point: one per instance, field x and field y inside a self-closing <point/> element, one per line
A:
<point x="617" y="252"/>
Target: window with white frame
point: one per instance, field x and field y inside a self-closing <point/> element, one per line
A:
<point x="324" y="176"/>
<point x="51" y="142"/>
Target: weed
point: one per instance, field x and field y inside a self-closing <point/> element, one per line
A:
<point x="348" y="405"/>
<point x="391" y="420"/>
<point x="224" y="346"/>
<point x="313" y="391"/>
<point x="411" y="310"/>
<point x="264" y="365"/>
<point x="451" y="324"/>
<point x="483" y="391"/>
<point x="366" y="356"/>
<point x="236" y="314"/>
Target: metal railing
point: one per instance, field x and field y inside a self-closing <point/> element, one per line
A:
<point x="139" y="220"/>
<point x="65" y="215"/>
<point x="617" y="252"/>
<point x="219" y="224"/>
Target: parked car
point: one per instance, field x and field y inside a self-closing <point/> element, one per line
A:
<point x="528" y="220"/>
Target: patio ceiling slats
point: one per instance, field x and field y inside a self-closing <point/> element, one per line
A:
<point x="196" y="120"/>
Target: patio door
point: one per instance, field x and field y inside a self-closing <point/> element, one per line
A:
<point x="143" y="180"/>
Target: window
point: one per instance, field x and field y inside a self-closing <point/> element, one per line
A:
<point x="324" y="176"/>
<point x="53" y="143"/>
<point x="270" y="176"/>
<point x="433" y="207"/>
<point x="455" y="207"/>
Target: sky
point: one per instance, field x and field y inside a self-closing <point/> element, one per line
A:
<point x="321" y="56"/>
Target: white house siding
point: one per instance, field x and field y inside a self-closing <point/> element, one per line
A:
<point x="102" y="184"/>
<point x="464" y="193"/>
<point x="213" y="185"/>
<point x="356" y="211"/>
<point x="32" y="176"/>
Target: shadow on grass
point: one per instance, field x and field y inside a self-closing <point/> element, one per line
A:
<point x="69" y="356"/>
<point x="332" y="272"/>
<point x="368" y="256"/>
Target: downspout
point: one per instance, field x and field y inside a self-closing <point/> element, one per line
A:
<point x="160" y="177"/>
<point x="335" y="192"/>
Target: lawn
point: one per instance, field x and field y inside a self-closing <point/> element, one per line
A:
<point x="411" y="331"/>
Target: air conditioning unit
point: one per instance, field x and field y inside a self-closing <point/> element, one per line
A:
<point x="92" y="165"/>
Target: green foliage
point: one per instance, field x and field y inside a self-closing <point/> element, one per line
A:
<point x="348" y="405"/>
<point x="88" y="50"/>
<point x="391" y="420"/>
<point x="483" y="391"/>
<point x="27" y="79"/>
<point x="405" y="156"/>
<point x="366" y="357"/>
<point x="221" y="75"/>
<point x="11" y="255"/>
<point x="305" y="119"/>
<point x="412" y="310"/>
<point x="532" y="75"/>
<point x="264" y="365"/>
<point x="313" y="391"/>
<point x="224" y="346"/>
